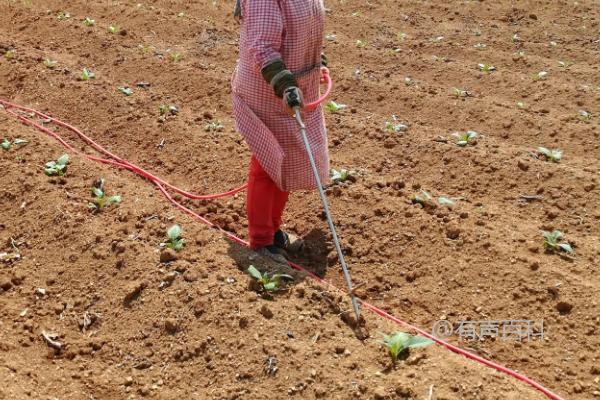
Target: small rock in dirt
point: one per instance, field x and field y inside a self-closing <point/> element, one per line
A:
<point x="564" y="307"/>
<point x="339" y="349"/>
<point x="190" y="276"/>
<point x="168" y="255"/>
<point x="416" y="359"/>
<point x="595" y="370"/>
<point x="133" y="291"/>
<point x="266" y="312"/>
<point x="453" y="232"/>
<point x="523" y="165"/>
<point x="380" y="393"/>
<point x="171" y="326"/>
<point x="5" y="284"/>
<point x="128" y="381"/>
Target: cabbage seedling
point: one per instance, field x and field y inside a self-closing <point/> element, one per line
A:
<point x="10" y="54"/>
<point x="395" y="127"/>
<point x="408" y="81"/>
<point x="551" y="242"/>
<point x="175" y="240"/>
<point x="50" y="64"/>
<point x="334" y="107"/>
<point x="268" y="283"/>
<point x="421" y="198"/>
<point x="360" y="44"/>
<point x="463" y="139"/>
<point x="554" y="155"/>
<point x="100" y="200"/>
<point x="521" y="104"/>
<point x="486" y="67"/>
<point x="86" y="75"/>
<point x="89" y="22"/>
<point x="540" y="76"/>
<point x="516" y="38"/>
<point x="356" y="13"/>
<point x="114" y="29"/>
<point x="340" y="176"/>
<point x="214" y="126"/>
<point x="564" y="64"/>
<point x="584" y="115"/>
<point x="460" y="92"/>
<point x="7" y="144"/>
<point x="399" y="342"/>
<point x="125" y="90"/>
<point x="402" y="36"/>
<point x="165" y="109"/>
<point x="176" y="57"/>
<point x="58" y="167"/>
<point x="480" y="46"/>
<point x="63" y="16"/>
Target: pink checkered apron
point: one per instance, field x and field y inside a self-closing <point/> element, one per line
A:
<point x="291" y="30"/>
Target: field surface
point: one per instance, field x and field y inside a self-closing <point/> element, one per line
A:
<point x="134" y="327"/>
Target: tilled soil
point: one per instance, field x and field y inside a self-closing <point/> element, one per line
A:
<point x="192" y="327"/>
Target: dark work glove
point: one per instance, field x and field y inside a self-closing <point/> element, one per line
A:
<point x="292" y="97"/>
<point x="278" y="76"/>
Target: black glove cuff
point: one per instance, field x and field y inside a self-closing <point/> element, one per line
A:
<point x="276" y="75"/>
<point x="323" y="60"/>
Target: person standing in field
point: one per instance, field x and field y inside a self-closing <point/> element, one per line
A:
<point x="280" y="62"/>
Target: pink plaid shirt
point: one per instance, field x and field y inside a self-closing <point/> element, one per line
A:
<point x="293" y="31"/>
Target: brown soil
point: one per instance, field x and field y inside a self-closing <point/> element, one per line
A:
<point x="192" y="329"/>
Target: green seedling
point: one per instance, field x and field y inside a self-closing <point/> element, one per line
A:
<point x="7" y="144"/>
<point x="516" y="38"/>
<point x="464" y="138"/>
<point x="175" y="240"/>
<point x="460" y="92"/>
<point x="214" y="126"/>
<point x="166" y="109"/>
<point x="486" y="67"/>
<point x="181" y="15"/>
<point x="125" y="90"/>
<point x="340" y="176"/>
<point x="583" y="115"/>
<point x="268" y="283"/>
<point x="445" y="201"/>
<point x="399" y="342"/>
<point x="551" y="242"/>
<point x="89" y="22"/>
<point x="521" y="104"/>
<point x="50" y="64"/>
<point x="554" y="155"/>
<point x="334" y="107"/>
<point x="564" y="64"/>
<point x="114" y="29"/>
<point x="540" y="76"/>
<point x="145" y="48"/>
<point x="176" y="57"/>
<point x="421" y="198"/>
<point x="357" y="13"/>
<point x="58" y="167"/>
<point x="63" y="16"/>
<point x="408" y="81"/>
<point x="519" y="54"/>
<point x="480" y="46"/>
<point x="100" y="199"/>
<point x="436" y="39"/>
<point x="441" y="59"/>
<point x="10" y="54"/>
<point x="86" y="75"/>
<point x="393" y="127"/>
<point x="553" y="44"/>
<point x="402" y="36"/>
<point x="360" y="44"/>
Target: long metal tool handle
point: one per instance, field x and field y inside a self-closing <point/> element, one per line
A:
<point x="328" y="214"/>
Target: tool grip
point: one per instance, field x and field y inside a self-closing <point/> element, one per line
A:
<point x="325" y="78"/>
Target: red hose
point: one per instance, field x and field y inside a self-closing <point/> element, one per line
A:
<point x="162" y="186"/>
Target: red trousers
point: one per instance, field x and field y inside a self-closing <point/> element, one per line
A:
<point x="264" y="206"/>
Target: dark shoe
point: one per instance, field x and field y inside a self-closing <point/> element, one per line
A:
<point x="274" y="253"/>
<point x="288" y="242"/>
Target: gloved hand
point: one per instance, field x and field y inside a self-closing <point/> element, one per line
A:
<point x="292" y="97"/>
